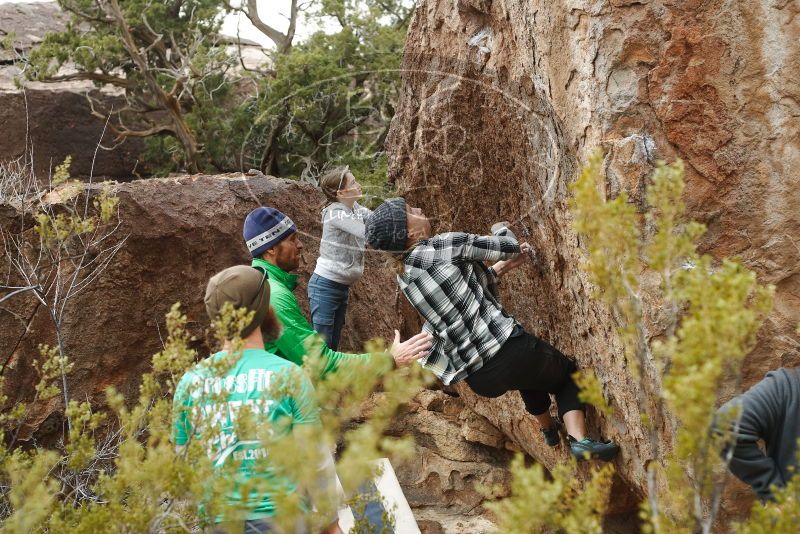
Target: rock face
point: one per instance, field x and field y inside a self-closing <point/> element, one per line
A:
<point x="46" y="126"/>
<point x="502" y="100"/>
<point x="458" y="451"/>
<point x="28" y="23"/>
<point x="178" y="233"/>
<point x="46" y="122"/>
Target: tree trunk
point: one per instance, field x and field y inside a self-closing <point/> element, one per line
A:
<point x="167" y="100"/>
<point x="269" y="157"/>
<point x="185" y="136"/>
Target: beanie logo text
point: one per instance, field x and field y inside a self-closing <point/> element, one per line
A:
<point x="273" y="233"/>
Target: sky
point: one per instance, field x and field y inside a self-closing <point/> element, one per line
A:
<point x="273" y="12"/>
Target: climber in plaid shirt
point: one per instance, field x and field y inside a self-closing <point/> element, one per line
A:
<point x="446" y="283"/>
<point x="445" y="279"/>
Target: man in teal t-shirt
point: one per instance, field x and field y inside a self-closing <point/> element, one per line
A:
<point x="209" y="397"/>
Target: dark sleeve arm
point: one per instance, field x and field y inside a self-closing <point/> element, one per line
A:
<point x="761" y="409"/>
<point x="473" y="247"/>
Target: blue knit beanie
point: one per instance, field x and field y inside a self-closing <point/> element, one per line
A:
<point x="264" y="228"/>
<point x="386" y="228"/>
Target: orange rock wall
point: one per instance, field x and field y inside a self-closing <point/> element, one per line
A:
<point x="503" y="99"/>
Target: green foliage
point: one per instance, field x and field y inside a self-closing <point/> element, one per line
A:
<point x="101" y="50"/>
<point x="673" y="239"/>
<point x="592" y="391"/>
<point x="715" y="308"/>
<point x="162" y="154"/>
<point x="780" y="515"/>
<point x="724" y="309"/>
<point x="57" y="226"/>
<point x="331" y="97"/>
<point x="146" y="484"/>
<point x="7" y="42"/>
<point x="62" y="172"/>
<point x="560" y="501"/>
<point x="63" y="254"/>
<point x="326" y="100"/>
<point x="31" y="493"/>
<point x="80" y="446"/>
<point x="106" y="204"/>
<point x="49" y="368"/>
<point x="62" y="226"/>
<point x="612" y="255"/>
<point x="166" y="56"/>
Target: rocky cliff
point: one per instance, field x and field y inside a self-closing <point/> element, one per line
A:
<point x="503" y="99"/>
<point x="501" y="102"/>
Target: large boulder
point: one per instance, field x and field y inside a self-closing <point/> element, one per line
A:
<point x="44" y="126"/>
<point x="459" y="456"/>
<point x="177" y="233"/>
<point x="43" y="123"/>
<point x="503" y="99"/>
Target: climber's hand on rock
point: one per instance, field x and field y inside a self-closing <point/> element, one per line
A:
<point x="513" y="263"/>
<point x="411" y="349"/>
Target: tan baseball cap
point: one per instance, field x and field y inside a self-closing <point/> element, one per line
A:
<point x="244" y="287"/>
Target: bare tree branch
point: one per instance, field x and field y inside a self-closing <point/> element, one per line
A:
<point x="121" y="131"/>
<point x="94" y="18"/>
<point x="283" y="41"/>
<point x="179" y="127"/>
<point x="17" y="292"/>
<point x="92" y="76"/>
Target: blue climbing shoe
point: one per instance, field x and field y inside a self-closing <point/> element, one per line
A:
<point x="590" y="449"/>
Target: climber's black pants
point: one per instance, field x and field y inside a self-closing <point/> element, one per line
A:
<point x="536" y="369"/>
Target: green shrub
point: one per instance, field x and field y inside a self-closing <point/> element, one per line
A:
<point x="714" y="310"/>
<point x="145" y="484"/>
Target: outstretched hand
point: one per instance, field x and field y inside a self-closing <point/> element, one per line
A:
<point x="524" y="254"/>
<point x="503" y="266"/>
<point x="411" y="349"/>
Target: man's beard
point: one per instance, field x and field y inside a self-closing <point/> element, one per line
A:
<point x="271" y="327"/>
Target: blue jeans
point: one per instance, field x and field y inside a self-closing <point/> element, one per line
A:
<point x="371" y="517"/>
<point x="255" y="526"/>
<point x="328" y="301"/>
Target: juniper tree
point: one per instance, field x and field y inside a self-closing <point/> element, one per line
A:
<point x="331" y="97"/>
<point x="166" y="58"/>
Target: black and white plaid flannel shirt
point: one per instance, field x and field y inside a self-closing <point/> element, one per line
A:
<point x="448" y="285"/>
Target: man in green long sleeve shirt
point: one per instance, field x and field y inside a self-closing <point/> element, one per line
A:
<point x="272" y="240"/>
